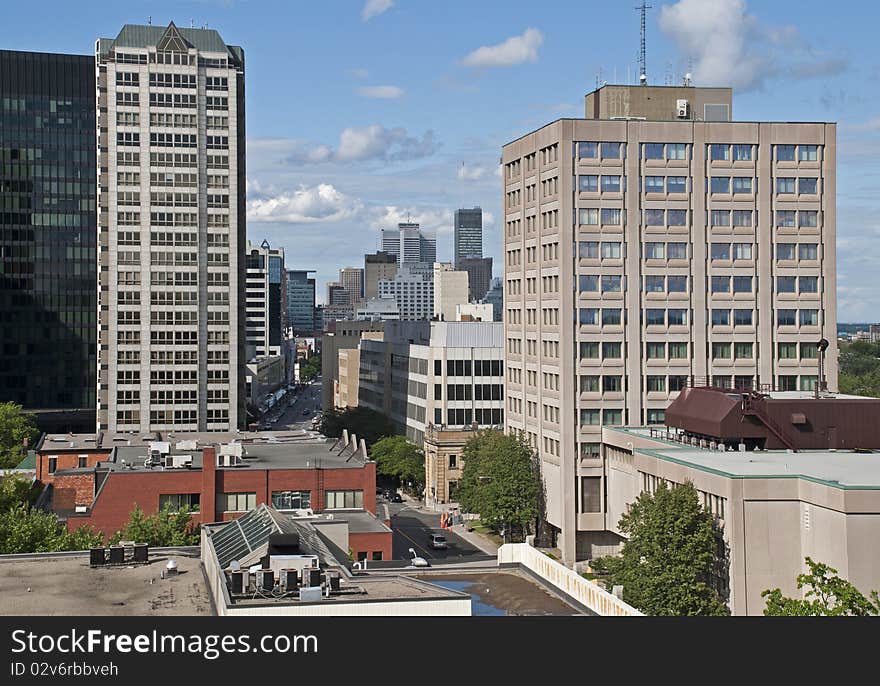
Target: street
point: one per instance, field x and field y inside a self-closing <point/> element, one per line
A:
<point x="412" y="528"/>
<point x="293" y="418"/>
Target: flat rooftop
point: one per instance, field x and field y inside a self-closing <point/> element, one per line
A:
<point x="359" y="521"/>
<point x="108" y="440"/>
<point x="50" y="584"/>
<point x="840" y="469"/>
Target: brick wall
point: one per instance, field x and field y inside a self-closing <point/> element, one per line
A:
<point x="71" y="490"/>
<point x="369" y="543"/>
<point x="68" y="459"/>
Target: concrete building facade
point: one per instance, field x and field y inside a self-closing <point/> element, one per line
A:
<point x="412" y="288"/>
<point x="479" y="271"/>
<point x="171" y="230"/>
<point x="380" y="265"/>
<point x="352" y="280"/>
<point x="347" y="336"/>
<point x="265" y="300"/>
<point x="644" y="253"/>
<point x="450" y="290"/>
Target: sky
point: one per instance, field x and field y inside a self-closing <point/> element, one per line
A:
<point x="363" y="113"/>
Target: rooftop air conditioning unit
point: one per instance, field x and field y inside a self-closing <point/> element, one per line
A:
<point x="682" y="109"/>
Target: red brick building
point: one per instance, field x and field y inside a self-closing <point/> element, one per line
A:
<point x="220" y="481"/>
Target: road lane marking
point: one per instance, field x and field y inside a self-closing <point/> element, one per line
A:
<point x="427" y="554"/>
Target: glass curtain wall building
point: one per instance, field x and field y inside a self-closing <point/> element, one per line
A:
<point x="48" y="237"/>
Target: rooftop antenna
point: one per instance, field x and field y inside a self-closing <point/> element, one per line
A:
<point x="150" y="20"/>
<point x="643" y="75"/>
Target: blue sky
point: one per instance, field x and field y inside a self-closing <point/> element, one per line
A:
<point x="363" y="111"/>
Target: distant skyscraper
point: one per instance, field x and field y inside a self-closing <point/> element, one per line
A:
<point x="352" y="279"/>
<point x="409" y="243"/>
<point x="479" y="271"/>
<point x="265" y="300"/>
<point x="300" y="301"/>
<point x="468" y="235"/>
<point x="48" y="267"/>
<point x="171" y="228"/>
<point x="413" y="290"/>
<point x="390" y="239"/>
<point x="336" y="294"/>
<point x="381" y="265"/>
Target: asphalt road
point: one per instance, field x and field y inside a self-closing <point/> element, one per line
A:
<point x="292" y="418"/>
<point x="412" y="529"/>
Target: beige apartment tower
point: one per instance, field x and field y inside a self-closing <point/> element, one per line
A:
<point x="171" y="230"/>
<point x="657" y="244"/>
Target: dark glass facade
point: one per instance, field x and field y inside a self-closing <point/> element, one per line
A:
<point x="48" y="236"/>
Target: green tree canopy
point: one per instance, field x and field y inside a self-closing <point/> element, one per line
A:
<point x="672" y="561"/>
<point x="366" y="423"/>
<point x="310" y="369"/>
<point x="399" y="459"/>
<point x="860" y="368"/>
<point x="164" y="528"/>
<point x="501" y="482"/>
<point x="16" y="489"/>
<point x="826" y="595"/>
<point x="15" y="427"/>
<point x="24" y="529"/>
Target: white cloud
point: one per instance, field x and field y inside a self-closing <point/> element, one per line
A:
<point x="382" y="92"/>
<point x="730" y="47"/>
<point x="430" y="219"/>
<point x="471" y="173"/>
<point x="515" y="50"/>
<point x="373" y="8"/>
<point x="373" y="142"/>
<point x="305" y="205"/>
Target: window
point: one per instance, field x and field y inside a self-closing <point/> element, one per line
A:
<point x="677" y="284"/>
<point x="590" y="417"/>
<point x="742" y="251"/>
<point x="654" y="184"/>
<point x="591" y="494"/>
<point x="655" y="351"/>
<point x="610" y="250"/>
<point x="177" y="501"/>
<point x="612" y="351"/>
<point x="721" y="351"/>
<point x="654" y="217"/>
<point x="786" y="383"/>
<point x="610" y="184"/>
<point x="743" y="351"/>
<point x="656" y="384"/>
<point x="785" y="317"/>
<point x="611" y="384"/>
<point x="676" y="151"/>
<point x="82" y="461"/>
<point x="785" y="251"/>
<point x="785" y="185"/>
<point x="785" y="153"/>
<point x="655" y="284"/>
<point x="809" y="351"/>
<point x="588" y="283"/>
<point x="589" y="351"/>
<point x="720" y="184"/>
<point x="611" y="316"/>
<point x="589" y="384"/>
<point x="612" y="151"/>
<point x="53" y="464"/>
<point x="612" y="417"/>
<point x="721" y="381"/>
<point x="291" y="500"/>
<point x="588" y="150"/>
<point x="237" y="502"/>
<point x="720" y="218"/>
<point x="611" y="284"/>
<point x="588" y="217"/>
<point x="678" y="351"/>
<point x="720" y="317"/>
<point x="677" y="317"/>
<point x="588" y="183"/>
<point x="742" y="184"/>
<point x="656" y="416"/>
<point x="808" y="382"/>
<point x="655" y="251"/>
<point x="653" y="151"/>
<point x="808" y="185"/>
<point x="742" y="153"/>
<point x="676" y="217"/>
<point x="677" y="383"/>
<point x="719" y="152"/>
<point x="453" y="461"/>
<point x="611" y="217"/>
<point x="808" y="284"/>
<point x="721" y="284"/>
<point x="742" y="217"/>
<point x="588" y="316"/>
<point x="786" y="351"/>
<point x="808" y="251"/>
<point x="720" y="251"/>
<point x="742" y="317"/>
<point x="785" y="218"/>
<point x="655" y="317"/>
<point x="808" y="153"/>
<point x="808" y="218"/>
<point x="742" y="284"/>
<point x="344" y="499"/>
<point x="809" y="317"/>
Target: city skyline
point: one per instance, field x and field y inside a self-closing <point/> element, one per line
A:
<point x="425" y="146"/>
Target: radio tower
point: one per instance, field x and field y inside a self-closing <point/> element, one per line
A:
<point x="643" y="68"/>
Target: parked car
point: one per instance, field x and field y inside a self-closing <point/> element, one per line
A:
<point x="438" y="542"/>
<point x="395" y="498"/>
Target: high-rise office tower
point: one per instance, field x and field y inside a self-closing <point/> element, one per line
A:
<point x="479" y="271"/>
<point x="468" y="235"/>
<point x="409" y="243"/>
<point x="390" y="242"/>
<point x="686" y="248"/>
<point x="300" y="301"/>
<point x="265" y="300"/>
<point x="336" y="294"/>
<point x="47" y="237"/>
<point x="381" y="265"/>
<point x="171" y="230"/>
<point x="412" y="288"/>
<point x="352" y="280"/>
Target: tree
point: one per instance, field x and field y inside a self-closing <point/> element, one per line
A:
<point x="826" y="595"/>
<point x="164" y="528"/>
<point x="15" y="428"/>
<point x="860" y="368"/>
<point x="672" y="555"/>
<point x="399" y="459"/>
<point x="310" y="369"/>
<point x="366" y="423"/>
<point x="24" y="529"/>
<point x="15" y="489"/>
<point x="501" y="482"/>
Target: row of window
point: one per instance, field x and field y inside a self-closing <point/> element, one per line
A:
<point x="680" y="151"/>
